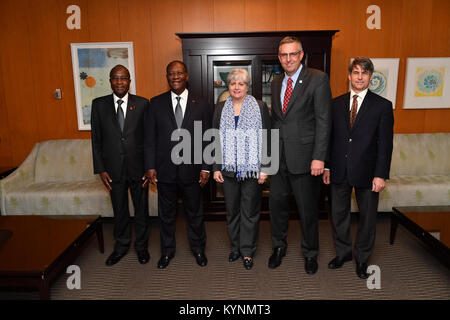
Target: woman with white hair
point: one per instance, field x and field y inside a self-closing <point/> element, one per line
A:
<point x="240" y="120"/>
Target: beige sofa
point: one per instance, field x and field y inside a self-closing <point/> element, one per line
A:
<point x="57" y="179"/>
<point x="420" y="172"/>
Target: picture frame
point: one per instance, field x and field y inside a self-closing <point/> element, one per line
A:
<point x="427" y="83"/>
<point x="91" y="63"/>
<point x="385" y="78"/>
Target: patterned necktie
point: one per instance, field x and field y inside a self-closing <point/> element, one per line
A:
<point x="178" y="113"/>
<point x="120" y="116"/>
<point x="287" y="95"/>
<point x="353" y="110"/>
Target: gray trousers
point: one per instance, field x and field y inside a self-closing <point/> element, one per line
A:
<point x="340" y="213"/>
<point x="306" y="190"/>
<point x="243" y="203"/>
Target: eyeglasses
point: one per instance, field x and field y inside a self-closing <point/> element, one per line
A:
<point x="290" y="54"/>
<point x="120" y="78"/>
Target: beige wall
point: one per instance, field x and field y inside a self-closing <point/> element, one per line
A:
<point x="35" y="53"/>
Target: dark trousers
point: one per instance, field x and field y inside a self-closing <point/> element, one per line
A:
<point x="243" y="203"/>
<point x="122" y="227"/>
<point x="340" y="213"/>
<point x="306" y="190"/>
<point x="193" y="210"/>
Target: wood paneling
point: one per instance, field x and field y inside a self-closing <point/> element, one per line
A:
<point x="104" y="20"/>
<point x="44" y="48"/>
<point x="35" y="57"/>
<point x="16" y="65"/>
<point x="292" y="15"/>
<point x="198" y="15"/>
<point x="260" y="15"/>
<point x="66" y="37"/>
<point x="135" y="17"/>
<point x="5" y="143"/>
<point x="166" y="17"/>
<point x="229" y="16"/>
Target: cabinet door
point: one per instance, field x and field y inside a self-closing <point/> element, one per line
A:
<point x="218" y="69"/>
<point x="268" y="67"/>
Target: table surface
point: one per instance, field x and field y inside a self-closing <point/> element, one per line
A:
<point x="433" y="219"/>
<point x="32" y="243"/>
<point x="7" y="168"/>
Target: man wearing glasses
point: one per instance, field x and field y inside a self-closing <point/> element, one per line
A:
<point x="301" y="110"/>
<point x="117" y="122"/>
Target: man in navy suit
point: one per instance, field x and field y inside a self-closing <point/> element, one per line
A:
<point x="117" y="122"/>
<point x="170" y="111"/>
<point x="360" y="158"/>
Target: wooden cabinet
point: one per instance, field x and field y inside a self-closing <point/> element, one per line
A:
<point x="209" y="56"/>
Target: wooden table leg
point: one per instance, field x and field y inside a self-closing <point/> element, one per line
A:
<point x="99" y="231"/>
<point x="394" y="224"/>
<point x="44" y="290"/>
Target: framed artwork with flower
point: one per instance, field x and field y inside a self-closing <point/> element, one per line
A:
<point x="385" y="76"/>
<point x="91" y="63"/>
<point x="427" y="83"/>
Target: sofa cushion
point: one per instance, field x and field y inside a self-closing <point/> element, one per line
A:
<point x="432" y="190"/>
<point x="421" y="154"/>
<point x="64" y="161"/>
<point x="60" y="198"/>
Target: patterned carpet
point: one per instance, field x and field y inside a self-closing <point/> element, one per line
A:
<point x="408" y="271"/>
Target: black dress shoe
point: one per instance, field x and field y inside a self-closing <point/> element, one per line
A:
<point x="234" y="256"/>
<point x="311" y="265"/>
<point x="361" y="270"/>
<point x="201" y="259"/>
<point x="276" y="257"/>
<point x="114" y="258"/>
<point x="143" y="256"/>
<point x="164" y="261"/>
<point x="248" y="263"/>
<point x="337" y="262"/>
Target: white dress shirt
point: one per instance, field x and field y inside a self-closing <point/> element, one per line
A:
<point x="360" y="99"/>
<point x="123" y="105"/>
<point x="183" y="100"/>
<point x="294" y="78"/>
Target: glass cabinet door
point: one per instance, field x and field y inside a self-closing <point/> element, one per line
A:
<point x="219" y="68"/>
<point x="270" y="68"/>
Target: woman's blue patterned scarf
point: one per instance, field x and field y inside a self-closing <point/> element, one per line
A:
<point x="241" y="146"/>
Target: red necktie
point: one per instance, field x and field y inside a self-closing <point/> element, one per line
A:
<point x="287" y="95"/>
<point x="353" y="110"/>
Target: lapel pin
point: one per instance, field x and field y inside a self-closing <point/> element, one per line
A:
<point x="132" y="108"/>
<point x="300" y="81"/>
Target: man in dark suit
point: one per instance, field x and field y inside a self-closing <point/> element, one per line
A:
<point x="301" y="111"/>
<point x="361" y="150"/>
<point x="117" y="122"/>
<point x="170" y="111"/>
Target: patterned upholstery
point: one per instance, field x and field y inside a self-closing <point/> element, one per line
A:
<point x="57" y="178"/>
<point x="420" y="172"/>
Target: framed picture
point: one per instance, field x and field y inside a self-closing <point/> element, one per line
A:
<point x="91" y="64"/>
<point x="427" y="83"/>
<point x="385" y="76"/>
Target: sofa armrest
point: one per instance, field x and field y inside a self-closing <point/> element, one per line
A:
<point x="21" y="177"/>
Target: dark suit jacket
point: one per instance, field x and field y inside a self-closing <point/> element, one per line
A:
<point x="111" y="147"/>
<point x="265" y="118"/>
<point x="365" y="150"/>
<point x="158" y="145"/>
<point x="305" y="128"/>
